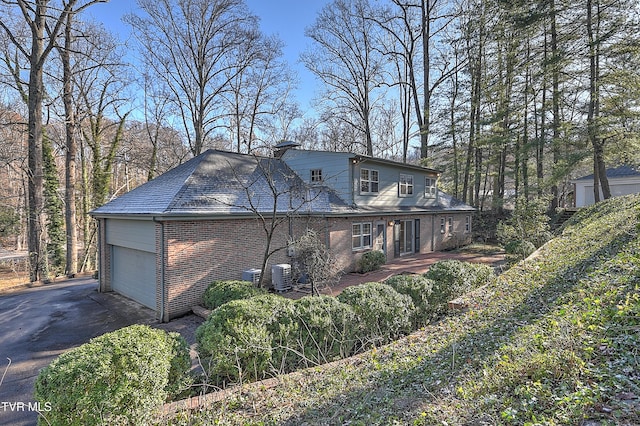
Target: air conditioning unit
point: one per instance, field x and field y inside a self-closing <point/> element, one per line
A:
<point x="252" y="275"/>
<point x="281" y="277"/>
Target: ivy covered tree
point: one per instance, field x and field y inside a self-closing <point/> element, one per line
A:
<point x="53" y="206"/>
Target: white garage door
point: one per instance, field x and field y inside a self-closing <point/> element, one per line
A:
<point x="133" y="274"/>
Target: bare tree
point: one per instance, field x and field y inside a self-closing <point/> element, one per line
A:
<point x="190" y="47"/>
<point x="402" y="28"/>
<point x="71" y="144"/>
<point x="260" y="93"/>
<point x="272" y="193"/>
<point x="315" y="261"/>
<point x="13" y="154"/>
<point x="45" y="22"/>
<point x="345" y="58"/>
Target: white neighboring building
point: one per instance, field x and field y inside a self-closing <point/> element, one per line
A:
<point x="623" y="180"/>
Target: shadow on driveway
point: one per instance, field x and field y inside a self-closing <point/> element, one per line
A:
<point x="38" y="324"/>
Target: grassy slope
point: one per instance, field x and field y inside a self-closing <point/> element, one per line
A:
<point x="554" y="341"/>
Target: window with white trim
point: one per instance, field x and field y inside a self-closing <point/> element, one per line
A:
<point x="442" y="225"/>
<point x="450" y="225"/>
<point x="369" y="181"/>
<point x="405" y="188"/>
<point x="316" y="175"/>
<point x="430" y="187"/>
<point x="361" y="235"/>
<point x="467" y="224"/>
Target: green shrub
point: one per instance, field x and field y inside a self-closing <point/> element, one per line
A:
<point x="326" y="330"/>
<point x="519" y="249"/>
<point x="371" y="261"/>
<point x="383" y="314"/>
<point x="247" y="339"/>
<point x="121" y="377"/>
<point x="484" y="274"/>
<point x="419" y="289"/>
<point x="452" y="279"/>
<point x="220" y="292"/>
<point x="529" y="222"/>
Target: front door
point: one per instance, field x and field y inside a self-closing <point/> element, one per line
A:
<point x="380" y="240"/>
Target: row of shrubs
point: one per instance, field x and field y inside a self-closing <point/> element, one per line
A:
<point x="125" y="376"/>
<point x="252" y="338"/>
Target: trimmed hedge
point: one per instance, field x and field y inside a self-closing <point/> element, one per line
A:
<point x="266" y="335"/>
<point x="383" y="314"/>
<point x="371" y="261"/>
<point x="220" y="292"/>
<point x="247" y="339"/>
<point x="419" y="289"/>
<point x="326" y="330"/>
<point x="122" y="377"/>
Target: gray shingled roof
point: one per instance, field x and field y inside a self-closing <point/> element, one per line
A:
<point x="219" y="182"/>
<point x="225" y="183"/>
<point x="617" y="172"/>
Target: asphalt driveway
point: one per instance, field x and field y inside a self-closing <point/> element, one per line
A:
<point x="38" y="324"/>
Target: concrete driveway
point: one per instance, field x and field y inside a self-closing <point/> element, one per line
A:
<point x="38" y="324"/>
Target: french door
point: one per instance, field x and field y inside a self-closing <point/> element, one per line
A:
<point x="406" y="237"/>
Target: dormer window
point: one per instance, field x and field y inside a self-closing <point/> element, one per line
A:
<point x="430" y="187"/>
<point x="405" y="188"/>
<point x="369" y="182"/>
<point x="316" y="175"/>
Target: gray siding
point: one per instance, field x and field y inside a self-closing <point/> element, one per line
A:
<point x="388" y="195"/>
<point x="340" y="174"/>
<point x="135" y="234"/>
<point x="334" y="165"/>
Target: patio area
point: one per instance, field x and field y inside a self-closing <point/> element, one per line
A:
<point x="416" y="264"/>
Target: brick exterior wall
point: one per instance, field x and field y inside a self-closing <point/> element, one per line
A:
<point x="431" y="239"/>
<point x="196" y="253"/>
<point x="450" y="240"/>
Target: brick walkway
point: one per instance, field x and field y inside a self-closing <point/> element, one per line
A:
<point x="416" y="264"/>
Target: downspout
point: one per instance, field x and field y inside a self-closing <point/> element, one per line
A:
<point x="327" y="233"/>
<point x="352" y="183"/>
<point x="162" y="285"/>
<point x="433" y="231"/>
<point x="101" y="254"/>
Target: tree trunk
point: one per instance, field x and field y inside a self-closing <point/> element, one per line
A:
<point x="542" y="135"/>
<point x="593" y="114"/>
<point x="71" y="145"/>
<point x="555" y="102"/>
<point x="426" y="33"/>
<point x="36" y="178"/>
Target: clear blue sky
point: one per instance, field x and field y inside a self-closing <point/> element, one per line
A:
<point x="286" y="18"/>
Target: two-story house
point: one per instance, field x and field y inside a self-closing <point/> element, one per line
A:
<point x="164" y="242"/>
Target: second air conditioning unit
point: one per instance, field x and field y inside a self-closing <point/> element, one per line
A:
<point x="281" y="277"/>
<point x="252" y="275"/>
